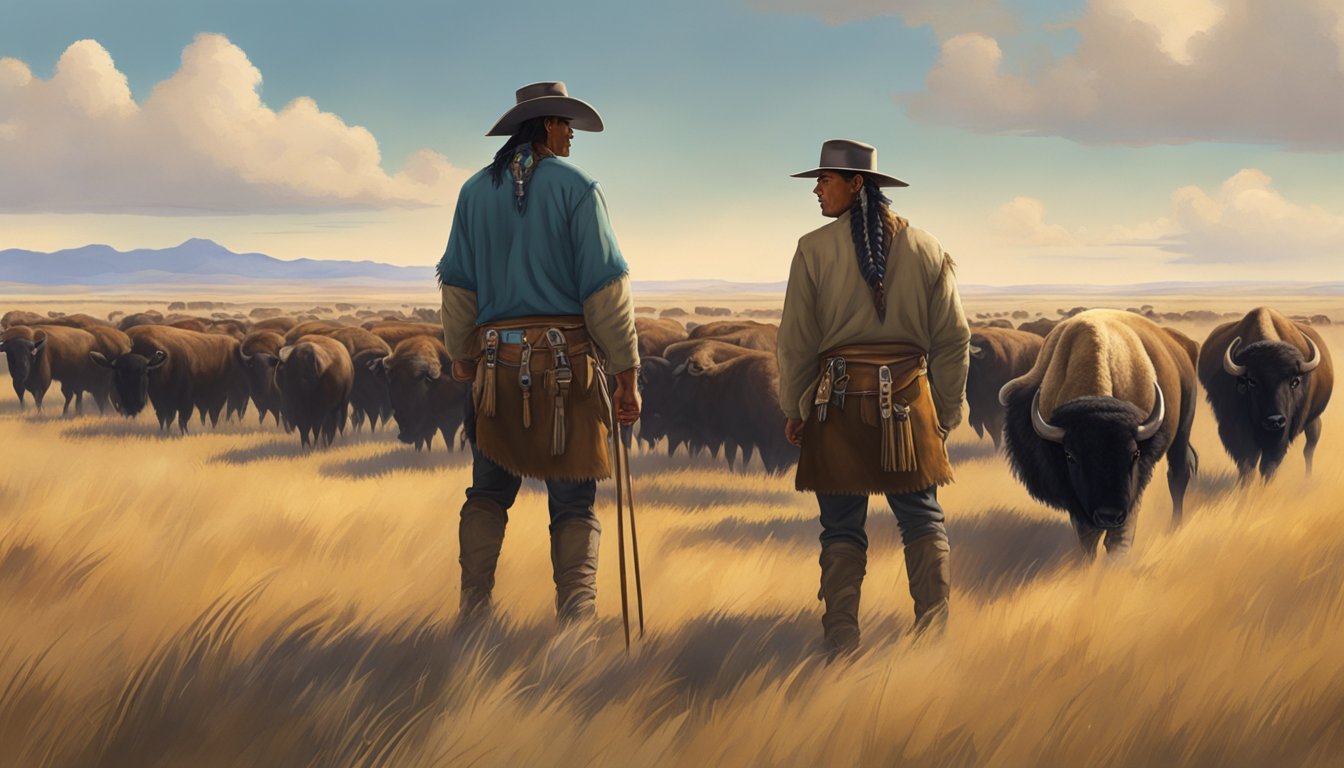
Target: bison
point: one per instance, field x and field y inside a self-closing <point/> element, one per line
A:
<point x="369" y="399"/>
<point x="177" y="371"/>
<point x="1268" y="379"/>
<point x="258" y="354"/>
<point x="42" y="353"/>
<point x="1041" y="326"/>
<point x="396" y="331"/>
<point x="997" y="356"/>
<point x="425" y="398"/>
<point x="1110" y="393"/>
<point x="314" y="376"/>
<point x="280" y="325"/>
<point x="656" y="334"/>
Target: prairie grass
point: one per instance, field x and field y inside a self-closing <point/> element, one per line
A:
<point x="229" y="599"/>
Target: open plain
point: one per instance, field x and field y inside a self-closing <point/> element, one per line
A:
<point x="227" y="598"/>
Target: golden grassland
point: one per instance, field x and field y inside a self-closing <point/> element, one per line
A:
<point x="229" y="599"/>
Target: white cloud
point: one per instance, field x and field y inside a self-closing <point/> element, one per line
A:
<point x="1022" y="222"/>
<point x="1150" y="71"/>
<point x="946" y="17"/>
<point x="202" y="141"/>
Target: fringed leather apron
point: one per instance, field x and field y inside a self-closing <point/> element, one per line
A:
<point x="873" y="427"/>
<point x="541" y="402"/>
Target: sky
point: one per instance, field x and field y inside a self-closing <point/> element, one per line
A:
<point x="1103" y="141"/>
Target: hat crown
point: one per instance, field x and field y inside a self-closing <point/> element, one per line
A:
<point x="540" y="90"/>
<point x="846" y="153"/>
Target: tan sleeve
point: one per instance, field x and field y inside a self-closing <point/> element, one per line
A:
<point x="609" y="315"/>
<point x="459" y="323"/>
<point x="949" y="346"/>
<point x="799" y="336"/>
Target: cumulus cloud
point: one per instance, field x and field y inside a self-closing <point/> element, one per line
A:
<point x="946" y="17"/>
<point x="1152" y="71"/>
<point x="202" y="141"/>
<point x="1022" y="222"/>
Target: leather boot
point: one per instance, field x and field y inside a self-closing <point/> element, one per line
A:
<point x="843" y="565"/>
<point x="480" y="534"/>
<point x="574" y="561"/>
<point x="926" y="564"/>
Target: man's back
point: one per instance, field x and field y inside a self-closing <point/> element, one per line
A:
<point x="545" y="260"/>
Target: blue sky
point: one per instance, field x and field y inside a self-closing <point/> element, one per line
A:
<point x="1023" y="173"/>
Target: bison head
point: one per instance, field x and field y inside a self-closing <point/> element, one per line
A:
<point x="1108" y="449"/>
<point x="410" y="381"/>
<point x="130" y="376"/>
<point x="22" y="355"/>
<point x="1272" y="379"/>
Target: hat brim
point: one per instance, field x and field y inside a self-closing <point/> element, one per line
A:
<point x="580" y="114"/>
<point x="881" y="179"/>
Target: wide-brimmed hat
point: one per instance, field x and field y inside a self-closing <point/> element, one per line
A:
<point x="852" y="157"/>
<point x="547" y="100"/>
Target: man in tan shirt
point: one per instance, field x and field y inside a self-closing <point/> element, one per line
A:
<point x="873" y="353"/>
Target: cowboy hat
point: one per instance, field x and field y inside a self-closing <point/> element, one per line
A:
<point x="547" y="100"/>
<point x="851" y="157"/>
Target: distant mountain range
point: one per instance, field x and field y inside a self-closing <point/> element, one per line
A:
<point x="199" y="261"/>
<point x="193" y="262"/>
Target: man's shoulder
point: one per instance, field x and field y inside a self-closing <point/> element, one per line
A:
<point x="556" y="170"/>
<point x="822" y="237"/>
<point x="479" y="180"/>
<point x="925" y="245"/>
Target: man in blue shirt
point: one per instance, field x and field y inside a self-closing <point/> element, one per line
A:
<point x="536" y="309"/>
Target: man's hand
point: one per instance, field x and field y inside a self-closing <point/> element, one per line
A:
<point x="626" y="398"/>
<point x="464" y="370"/>
<point x="793" y="431"/>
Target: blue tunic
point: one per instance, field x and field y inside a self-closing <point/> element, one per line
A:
<point x="546" y="260"/>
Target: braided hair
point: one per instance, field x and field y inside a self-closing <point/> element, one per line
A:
<point x="867" y="220"/>
<point x="530" y="132"/>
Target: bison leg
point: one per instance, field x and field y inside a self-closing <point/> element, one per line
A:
<point x="65" y="409"/>
<point x="183" y="416"/>
<point x="1119" y="540"/>
<point x="1313" y="432"/>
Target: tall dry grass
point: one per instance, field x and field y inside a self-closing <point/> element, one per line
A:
<point x="229" y="599"/>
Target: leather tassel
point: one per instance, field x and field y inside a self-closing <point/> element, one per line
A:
<point x="558" y="428"/>
<point x="905" y="458"/>
<point x="488" y="393"/>
<point x="888" y="444"/>
<point x="527" y="409"/>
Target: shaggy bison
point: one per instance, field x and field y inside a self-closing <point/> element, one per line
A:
<point x="1268" y="380"/>
<point x="314" y="376"/>
<point x="425" y="398"/>
<point x="1110" y="393"/>
<point x="997" y="355"/>
<point x="175" y="370"/>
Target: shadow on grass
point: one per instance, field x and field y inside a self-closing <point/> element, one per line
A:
<point x="995" y="554"/>
<point x="119" y="427"/>
<point x="400" y="458"/>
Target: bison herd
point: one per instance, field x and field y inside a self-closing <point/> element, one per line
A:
<point x="1084" y="407"/>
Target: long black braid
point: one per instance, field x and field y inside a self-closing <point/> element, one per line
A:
<point x="531" y="131"/>
<point x="867" y="220"/>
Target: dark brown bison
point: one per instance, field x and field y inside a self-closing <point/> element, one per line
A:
<point x="29" y="369"/>
<point x="258" y="354"/>
<point x="1268" y="380"/>
<point x="67" y="351"/>
<point x="177" y="371"/>
<point x="655" y="334"/>
<point x="997" y="355"/>
<point x="76" y="320"/>
<point x="369" y="399"/>
<point x="314" y="376"/>
<point x="20" y="317"/>
<point x="744" y="333"/>
<point x="229" y="327"/>
<point x="140" y="318"/>
<point x="1041" y="326"/>
<point x="425" y="398"/>
<point x="1111" y="393"/>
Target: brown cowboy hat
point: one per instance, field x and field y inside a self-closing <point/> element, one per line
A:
<point x="547" y="100"/>
<point x="852" y="157"/>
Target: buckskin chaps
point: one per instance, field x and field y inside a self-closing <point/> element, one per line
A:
<point x="535" y="425"/>
<point x="862" y="447"/>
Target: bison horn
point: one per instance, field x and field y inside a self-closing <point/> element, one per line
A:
<point x="1045" y="429"/>
<point x="1315" y="360"/>
<point x="99" y="358"/>
<point x="160" y="357"/>
<point x="977" y="351"/>
<point x="285" y="352"/>
<point x="1230" y="366"/>
<point x="40" y="343"/>
<point x="244" y="357"/>
<point x="1149" y="428"/>
<point x="1007" y="390"/>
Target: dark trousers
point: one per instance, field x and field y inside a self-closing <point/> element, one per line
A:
<point x="918" y="514"/>
<point x="565" y="499"/>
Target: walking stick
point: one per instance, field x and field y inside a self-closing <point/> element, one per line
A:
<point x="625" y="497"/>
